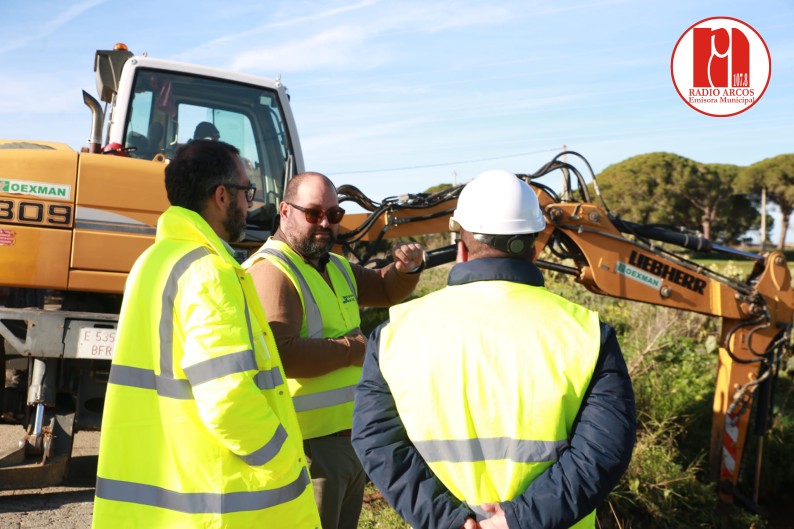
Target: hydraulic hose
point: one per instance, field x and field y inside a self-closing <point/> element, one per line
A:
<point x="679" y="238"/>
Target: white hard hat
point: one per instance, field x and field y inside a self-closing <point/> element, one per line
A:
<point x="498" y="203"/>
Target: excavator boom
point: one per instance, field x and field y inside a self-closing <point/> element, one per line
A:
<point x="624" y="260"/>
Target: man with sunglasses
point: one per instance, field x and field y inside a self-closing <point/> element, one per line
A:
<point x="198" y="429"/>
<point x="312" y="298"/>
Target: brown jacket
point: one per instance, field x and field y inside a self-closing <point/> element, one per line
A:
<point x="306" y="357"/>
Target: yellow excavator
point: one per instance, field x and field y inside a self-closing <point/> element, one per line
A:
<point x="72" y="224"/>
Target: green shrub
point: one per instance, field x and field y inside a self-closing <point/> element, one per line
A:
<point x="671" y="356"/>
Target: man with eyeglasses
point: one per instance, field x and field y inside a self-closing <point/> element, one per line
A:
<point x="198" y="428"/>
<point x="312" y="299"/>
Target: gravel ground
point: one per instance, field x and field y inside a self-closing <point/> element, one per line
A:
<point x="66" y="507"/>
<point x="71" y="506"/>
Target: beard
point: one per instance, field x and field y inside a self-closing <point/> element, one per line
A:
<point x="310" y="248"/>
<point x="234" y="222"/>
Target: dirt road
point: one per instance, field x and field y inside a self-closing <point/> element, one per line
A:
<point x="67" y="507"/>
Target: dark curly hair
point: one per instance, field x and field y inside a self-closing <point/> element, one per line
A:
<point x="197" y="169"/>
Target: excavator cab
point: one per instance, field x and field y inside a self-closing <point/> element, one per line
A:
<point x="156" y="106"/>
<point x="167" y="106"/>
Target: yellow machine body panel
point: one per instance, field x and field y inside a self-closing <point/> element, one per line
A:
<point x="74" y="221"/>
<point x="37" y="188"/>
<point x="118" y="201"/>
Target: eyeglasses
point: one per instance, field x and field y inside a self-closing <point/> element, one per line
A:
<point x="250" y="190"/>
<point x="316" y="215"/>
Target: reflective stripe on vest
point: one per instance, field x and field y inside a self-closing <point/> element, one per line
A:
<point x="209" y="437"/>
<point x="488" y="378"/>
<point x="324" y="404"/>
<point x="167" y="309"/>
<point x="482" y="449"/>
<point x="166" y="385"/>
<point x="338" y="262"/>
<point x="314" y="326"/>
<point x="324" y="399"/>
<point x="137" y="377"/>
<point x="200" y="502"/>
<point x="314" y="320"/>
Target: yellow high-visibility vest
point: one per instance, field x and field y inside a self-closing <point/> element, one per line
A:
<point x="488" y="378"/>
<point x="324" y="403"/>
<point x="199" y="429"/>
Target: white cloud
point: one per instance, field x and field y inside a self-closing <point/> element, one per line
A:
<point x="442" y="16"/>
<point x="328" y="13"/>
<point x="356" y="45"/>
<point x="334" y="48"/>
<point x="262" y="31"/>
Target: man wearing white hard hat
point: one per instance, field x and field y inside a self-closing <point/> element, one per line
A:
<point x="494" y="403"/>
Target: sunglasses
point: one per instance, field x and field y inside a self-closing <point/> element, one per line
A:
<point x="316" y="215"/>
<point x="250" y="190"/>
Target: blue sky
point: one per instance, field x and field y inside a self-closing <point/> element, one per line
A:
<point x="397" y="96"/>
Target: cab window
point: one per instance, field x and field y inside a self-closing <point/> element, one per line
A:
<point x="167" y="107"/>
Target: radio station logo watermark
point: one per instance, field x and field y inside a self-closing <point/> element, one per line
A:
<point x="721" y="66"/>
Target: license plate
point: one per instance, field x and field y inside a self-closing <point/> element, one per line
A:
<point x="96" y="343"/>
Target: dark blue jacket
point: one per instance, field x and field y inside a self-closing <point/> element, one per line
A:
<point x="600" y="445"/>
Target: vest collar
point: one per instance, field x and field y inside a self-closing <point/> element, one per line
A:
<point x="496" y="269"/>
<point x="187" y="225"/>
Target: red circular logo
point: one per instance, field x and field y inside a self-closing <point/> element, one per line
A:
<point x="721" y="66"/>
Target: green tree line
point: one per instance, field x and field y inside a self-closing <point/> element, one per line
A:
<point x="721" y="201"/>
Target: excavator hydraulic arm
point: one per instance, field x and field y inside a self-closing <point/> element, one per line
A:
<point x="756" y="315"/>
<point x="612" y="257"/>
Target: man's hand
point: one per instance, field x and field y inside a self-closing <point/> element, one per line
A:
<point x="497" y="519"/>
<point x="408" y="256"/>
<point x="358" y="346"/>
<point x="470" y="524"/>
